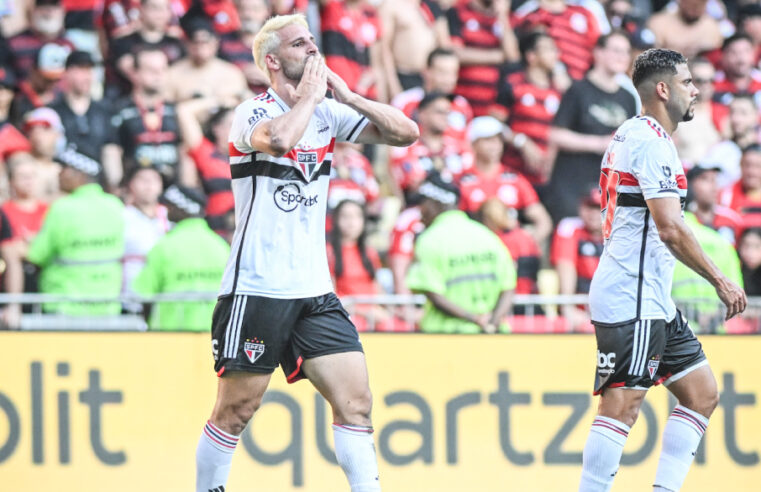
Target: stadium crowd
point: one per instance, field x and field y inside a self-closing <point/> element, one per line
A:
<point x="114" y="116"/>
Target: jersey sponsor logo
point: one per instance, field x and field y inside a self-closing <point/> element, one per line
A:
<point x="258" y="114"/>
<point x="253" y="349"/>
<point x="606" y="363"/>
<point x="652" y="366"/>
<point x="668" y="183"/>
<point x="289" y="196"/>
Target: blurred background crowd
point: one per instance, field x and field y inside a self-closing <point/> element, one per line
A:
<point x="114" y="115"/>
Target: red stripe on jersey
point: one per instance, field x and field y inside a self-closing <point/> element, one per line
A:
<point x="625" y="179"/>
<point x="233" y="151"/>
<point x="681" y="181"/>
<point x="321" y="152"/>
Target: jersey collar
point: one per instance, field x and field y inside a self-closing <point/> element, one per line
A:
<point x="278" y="99"/>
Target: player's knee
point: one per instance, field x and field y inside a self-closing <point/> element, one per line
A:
<point x="233" y="416"/>
<point x="705" y="404"/>
<point x="355" y="410"/>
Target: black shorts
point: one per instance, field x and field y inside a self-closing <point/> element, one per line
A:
<point x="256" y="334"/>
<point x="646" y="352"/>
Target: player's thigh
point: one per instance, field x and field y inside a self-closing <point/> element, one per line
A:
<point x="697" y="390"/>
<point x="683" y="356"/>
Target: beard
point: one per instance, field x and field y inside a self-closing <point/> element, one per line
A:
<point x="294" y="70"/>
<point x="689" y="114"/>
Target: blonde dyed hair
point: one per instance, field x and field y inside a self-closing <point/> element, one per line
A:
<point x="267" y="39"/>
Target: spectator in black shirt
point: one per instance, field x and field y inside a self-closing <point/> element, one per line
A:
<point x="87" y="123"/>
<point x="144" y="123"/>
<point x="749" y="249"/>
<point x="589" y="113"/>
<point x="40" y="88"/>
<point x="155" y="17"/>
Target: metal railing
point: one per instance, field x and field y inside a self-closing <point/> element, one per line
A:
<point x="382" y="313"/>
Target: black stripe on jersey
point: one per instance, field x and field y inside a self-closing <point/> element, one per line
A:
<point x="277" y="171"/>
<point x="243" y="236"/>
<point x="642" y="263"/>
<point x="631" y="200"/>
<point x="351" y="133"/>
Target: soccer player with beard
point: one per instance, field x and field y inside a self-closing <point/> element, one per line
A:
<point x="276" y="305"/>
<point x="642" y="339"/>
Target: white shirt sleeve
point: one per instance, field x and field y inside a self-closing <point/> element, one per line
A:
<point x="655" y="170"/>
<point x="347" y="123"/>
<point x="248" y="115"/>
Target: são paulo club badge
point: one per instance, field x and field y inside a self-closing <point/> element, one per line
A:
<point x="652" y="367"/>
<point x="253" y="349"/>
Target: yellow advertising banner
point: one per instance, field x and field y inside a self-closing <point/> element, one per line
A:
<point x="108" y="412"/>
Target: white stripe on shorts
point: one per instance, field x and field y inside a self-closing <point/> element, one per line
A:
<point x="236" y="327"/>
<point x="635" y="348"/>
<point x="645" y="349"/>
<point x="230" y="325"/>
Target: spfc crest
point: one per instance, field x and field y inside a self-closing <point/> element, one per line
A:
<point x="253" y="350"/>
<point x="652" y="367"/>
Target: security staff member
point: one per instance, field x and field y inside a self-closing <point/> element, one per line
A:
<point x="81" y="243"/>
<point x="188" y="259"/>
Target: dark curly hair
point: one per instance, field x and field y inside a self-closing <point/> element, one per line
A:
<point x="656" y="61"/>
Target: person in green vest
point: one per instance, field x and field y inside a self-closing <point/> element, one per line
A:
<point x="190" y="258"/>
<point x="464" y="269"/>
<point x="689" y="287"/>
<point x="80" y="246"/>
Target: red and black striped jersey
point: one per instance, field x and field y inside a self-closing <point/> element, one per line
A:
<point x="725" y="90"/>
<point x="214" y="170"/>
<point x="530" y="110"/>
<point x="347" y="35"/>
<point x="24" y="47"/>
<point x="473" y="28"/>
<point x="575" y="31"/>
<point x="527" y="257"/>
<point x="745" y="202"/>
<point x="573" y="243"/>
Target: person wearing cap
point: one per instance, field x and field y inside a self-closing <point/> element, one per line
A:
<point x="145" y="220"/>
<point x="46" y="135"/>
<point x="153" y="31"/>
<point x="589" y="113"/>
<point x="463" y="268"/>
<point x="703" y="202"/>
<point x="80" y="246"/>
<point x="688" y="29"/>
<point x="190" y="258"/>
<point x="202" y="72"/>
<point x="40" y="88"/>
<point x="435" y="150"/>
<point x="46" y="26"/>
<point x="488" y="178"/>
<point x="576" y="249"/>
<point x="12" y="141"/>
<point x="87" y="123"/>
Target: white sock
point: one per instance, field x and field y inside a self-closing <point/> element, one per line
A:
<point x="355" y="452"/>
<point x="602" y="454"/>
<point x="213" y="458"/>
<point x="681" y="438"/>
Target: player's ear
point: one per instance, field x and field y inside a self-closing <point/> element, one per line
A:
<point x="272" y="61"/>
<point x="663" y="90"/>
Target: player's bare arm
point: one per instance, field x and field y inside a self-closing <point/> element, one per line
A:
<point x="674" y="232"/>
<point x="388" y="125"/>
<point x="279" y="135"/>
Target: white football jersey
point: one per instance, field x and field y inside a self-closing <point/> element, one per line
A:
<point x="633" y="279"/>
<point x="278" y="249"/>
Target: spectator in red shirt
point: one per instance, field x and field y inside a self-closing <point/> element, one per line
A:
<point x="574" y="29"/>
<point x="11" y="140"/>
<point x="353" y="263"/>
<point x="483" y="40"/>
<point x="434" y="150"/>
<point x="523" y="249"/>
<point x="744" y="197"/>
<point x="351" y="32"/>
<point x="46" y="26"/>
<point x="210" y="155"/>
<point x="739" y="76"/>
<point x="489" y="179"/>
<point x="576" y="250"/>
<point x="527" y="102"/>
<point x="401" y="250"/>
<point x="40" y="88"/>
<point x="440" y="75"/>
<point x="23" y="213"/>
<point x="703" y="201"/>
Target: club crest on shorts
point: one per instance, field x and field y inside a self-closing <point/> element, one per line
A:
<point x="253" y="349"/>
<point x="652" y="367"/>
